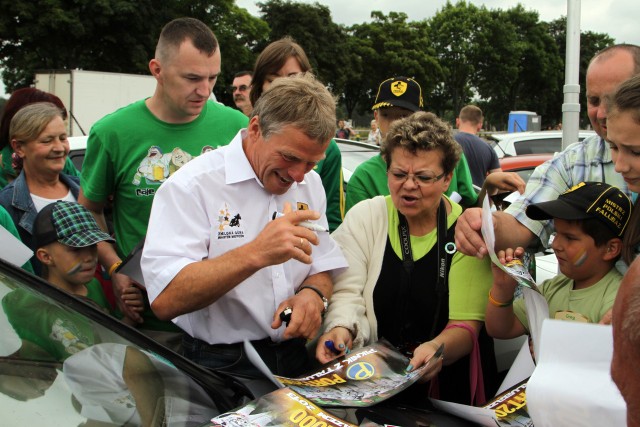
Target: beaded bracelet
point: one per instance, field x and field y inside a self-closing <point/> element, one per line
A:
<point x="498" y="303"/>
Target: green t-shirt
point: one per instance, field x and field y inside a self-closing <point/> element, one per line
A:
<point x="7" y="222"/>
<point x="470" y="278"/>
<point x="55" y="329"/>
<point x="592" y="302"/>
<point x="330" y="171"/>
<point x="370" y="180"/>
<point x="8" y="171"/>
<point x="130" y="153"/>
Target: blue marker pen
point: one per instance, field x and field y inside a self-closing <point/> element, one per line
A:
<point x="331" y="346"/>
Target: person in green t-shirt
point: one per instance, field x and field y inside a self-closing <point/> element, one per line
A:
<point x="133" y="151"/>
<point x="590" y="220"/>
<point x="399" y="97"/>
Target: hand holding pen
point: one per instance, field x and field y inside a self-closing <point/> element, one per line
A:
<point x="338" y="341"/>
<point x="282" y="239"/>
<point x="337" y="350"/>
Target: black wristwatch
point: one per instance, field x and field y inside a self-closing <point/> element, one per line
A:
<point x="325" y="301"/>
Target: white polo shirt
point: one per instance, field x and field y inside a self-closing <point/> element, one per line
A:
<point x="213" y="204"/>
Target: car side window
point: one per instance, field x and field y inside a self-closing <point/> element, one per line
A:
<point x="538" y="146"/>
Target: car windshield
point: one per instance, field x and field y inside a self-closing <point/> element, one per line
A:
<point x="62" y="362"/>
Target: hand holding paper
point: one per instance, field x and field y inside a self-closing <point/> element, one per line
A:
<point x="536" y="304"/>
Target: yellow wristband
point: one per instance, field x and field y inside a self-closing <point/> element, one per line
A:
<point x="498" y="303"/>
<point x="113" y="267"/>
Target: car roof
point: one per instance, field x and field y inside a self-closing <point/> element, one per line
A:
<point x="528" y="135"/>
<point x="519" y="143"/>
<point x="78" y="142"/>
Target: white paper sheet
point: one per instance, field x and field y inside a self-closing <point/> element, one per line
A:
<point x="537" y="307"/>
<point x="257" y="361"/>
<point x="520" y="370"/>
<point x="12" y="249"/>
<point x="512" y="197"/>
<point x="482" y="416"/>
<point x="571" y="385"/>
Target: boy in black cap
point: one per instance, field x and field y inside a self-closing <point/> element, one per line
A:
<point x="66" y="237"/>
<point x="397" y="98"/>
<point x="590" y="220"/>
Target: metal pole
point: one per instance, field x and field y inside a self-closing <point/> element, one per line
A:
<point x="571" y="105"/>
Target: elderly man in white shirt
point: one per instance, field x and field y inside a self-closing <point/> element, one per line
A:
<point x="229" y="248"/>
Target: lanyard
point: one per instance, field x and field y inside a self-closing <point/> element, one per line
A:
<point x="407" y="257"/>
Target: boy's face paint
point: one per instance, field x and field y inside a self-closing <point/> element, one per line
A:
<point x="575" y="250"/>
<point x="74" y="269"/>
<point x="74" y="265"/>
<point x="580" y="258"/>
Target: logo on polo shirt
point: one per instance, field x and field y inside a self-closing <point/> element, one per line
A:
<point x="229" y="223"/>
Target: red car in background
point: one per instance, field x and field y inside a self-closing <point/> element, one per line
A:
<point x="524" y="164"/>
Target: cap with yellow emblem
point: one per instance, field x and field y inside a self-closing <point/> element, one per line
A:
<point x="403" y="92"/>
<point x="587" y="200"/>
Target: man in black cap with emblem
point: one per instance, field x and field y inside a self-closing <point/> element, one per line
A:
<point x="397" y="98"/>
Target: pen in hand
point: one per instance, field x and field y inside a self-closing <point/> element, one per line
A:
<point x="331" y="346"/>
<point x="285" y="315"/>
<point x="306" y="224"/>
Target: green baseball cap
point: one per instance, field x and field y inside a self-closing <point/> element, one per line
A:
<point x="69" y="223"/>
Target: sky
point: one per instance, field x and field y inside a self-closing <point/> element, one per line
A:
<point x="618" y="18"/>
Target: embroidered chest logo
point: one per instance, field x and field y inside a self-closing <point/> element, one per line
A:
<point x="229" y="223"/>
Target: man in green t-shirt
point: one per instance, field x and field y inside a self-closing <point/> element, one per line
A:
<point x="397" y="98"/>
<point x="132" y="151"/>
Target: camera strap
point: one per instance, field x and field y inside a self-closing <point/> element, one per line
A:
<point x="407" y="258"/>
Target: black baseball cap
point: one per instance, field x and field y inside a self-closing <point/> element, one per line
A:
<point x="399" y="91"/>
<point x="587" y="200"/>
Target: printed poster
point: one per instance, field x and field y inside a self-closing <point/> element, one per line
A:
<point x="282" y="407"/>
<point x="361" y="378"/>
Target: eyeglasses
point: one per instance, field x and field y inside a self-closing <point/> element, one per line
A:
<point x="400" y="177"/>
<point x="241" y="88"/>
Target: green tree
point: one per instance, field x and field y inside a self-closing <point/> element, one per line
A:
<point x="63" y="34"/>
<point x="517" y="64"/>
<point x="454" y="36"/>
<point x="110" y="35"/>
<point x="386" y="47"/>
<point x="590" y="44"/>
<point x="311" y="26"/>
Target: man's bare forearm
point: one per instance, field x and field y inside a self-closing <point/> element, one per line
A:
<point x="202" y="283"/>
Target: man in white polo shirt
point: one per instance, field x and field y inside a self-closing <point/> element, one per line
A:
<point x="219" y="259"/>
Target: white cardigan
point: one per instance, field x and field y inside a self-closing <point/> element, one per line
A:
<point x="363" y="238"/>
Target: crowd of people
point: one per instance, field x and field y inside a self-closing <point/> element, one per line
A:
<point x="244" y="218"/>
